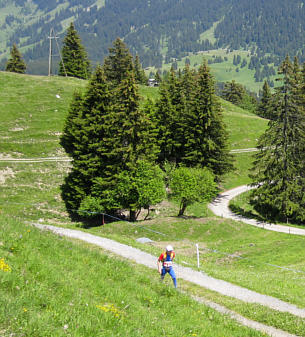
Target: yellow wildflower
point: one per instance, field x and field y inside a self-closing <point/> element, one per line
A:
<point x="4" y="266"/>
<point x="111" y="308"/>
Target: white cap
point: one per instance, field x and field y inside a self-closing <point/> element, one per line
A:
<point x="169" y="248"/>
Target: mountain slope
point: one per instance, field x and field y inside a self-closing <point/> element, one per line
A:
<point x="274" y="26"/>
<point x="160" y="31"/>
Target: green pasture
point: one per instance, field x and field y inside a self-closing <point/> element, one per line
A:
<point x="225" y="71"/>
<point x="57" y="287"/>
<point x="53" y="286"/>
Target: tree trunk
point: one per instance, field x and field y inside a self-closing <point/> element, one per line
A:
<point x="182" y="208"/>
<point x="132" y="215"/>
<point x="148" y="211"/>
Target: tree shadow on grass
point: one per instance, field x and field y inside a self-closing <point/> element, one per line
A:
<point x="248" y="214"/>
<point x="186" y="217"/>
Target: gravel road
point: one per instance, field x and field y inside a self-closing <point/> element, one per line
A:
<point x="185" y="273"/>
<point x="220" y="207"/>
<point x="193" y="276"/>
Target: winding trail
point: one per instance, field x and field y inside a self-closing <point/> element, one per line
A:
<point x="9" y="159"/>
<point x="188" y="274"/>
<point x="220" y="207"/>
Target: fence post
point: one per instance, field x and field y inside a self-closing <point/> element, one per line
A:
<point x="197" y="248"/>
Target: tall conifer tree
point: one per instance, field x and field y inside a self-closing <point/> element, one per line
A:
<point x="233" y="92"/>
<point x="74" y="56"/>
<point x="15" y="64"/>
<point x="109" y="135"/>
<point x="140" y="76"/>
<point x="83" y="140"/>
<point x="206" y="139"/>
<point x="280" y="163"/>
<point x="165" y="119"/>
<point x="264" y="108"/>
<point x="118" y="64"/>
<point x="170" y="107"/>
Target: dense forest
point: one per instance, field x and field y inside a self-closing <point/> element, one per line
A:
<point x="159" y="31"/>
<point x="273" y="26"/>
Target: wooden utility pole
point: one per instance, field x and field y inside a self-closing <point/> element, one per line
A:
<point x="51" y="38"/>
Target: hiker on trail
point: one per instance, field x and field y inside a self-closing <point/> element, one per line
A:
<point x="165" y="264"/>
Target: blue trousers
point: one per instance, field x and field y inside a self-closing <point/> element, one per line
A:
<point x="171" y="273"/>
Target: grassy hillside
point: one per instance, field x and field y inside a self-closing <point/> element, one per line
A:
<point x="57" y="287"/>
<point x="33" y="109"/>
<point x="28" y="24"/>
<point x="62" y="287"/>
<point x="225" y="71"/>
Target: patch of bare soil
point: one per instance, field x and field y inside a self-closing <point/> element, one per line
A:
<point x="229" y="258"/>
<point x="11" y="155"/>
<point x="5" y="174"/>
<point x="16" y="129"/>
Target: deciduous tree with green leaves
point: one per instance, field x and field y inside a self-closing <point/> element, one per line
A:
<point x="74" y="56"/>
<point x="15" y="64"/>
<point x="190" y="185"/>
<point x="140" y="187"/>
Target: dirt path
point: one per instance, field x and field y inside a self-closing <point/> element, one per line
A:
<point x="9" y="159"/>
<point x="35" y="160"/>
<point x="220" y="207"/>
<point x="190" y="275"/>
<point x="271" y="331"/>
<point x="185" y="273"/>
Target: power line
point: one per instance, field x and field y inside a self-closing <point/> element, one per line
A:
<point x="52" y="37"/>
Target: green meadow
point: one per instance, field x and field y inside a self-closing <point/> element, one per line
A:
<point x="225" y="71"/>
<point x="53" y="286"/>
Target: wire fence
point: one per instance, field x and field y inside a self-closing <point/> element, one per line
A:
<point x="197" y="249"/>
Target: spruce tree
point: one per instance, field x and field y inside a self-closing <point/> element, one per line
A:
<point x="233" y="92"/>
<point x="139" y="72"/>
<point x="158" y="77"/>
<point x="129" y="139"/>
<point x="264" y="109"/>
<point x="72" y="126"/>
<point x="118" y="64"/>
<point x="206" y="139"/>
<point x="171" y="106"/>
<point x="15" y="64"/>
<point x="165" y="120"/>
<point x="106" y="133"/>
<point x="82" y="139"/>
<point x="279" y="165"/>
<point x="74" y="56"/>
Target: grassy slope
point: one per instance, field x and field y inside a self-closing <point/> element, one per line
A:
<point x="57" y="288"/>
<point x="225" y="71"/>
<point x="31" y="192"/>
<point x="32" y="16"/>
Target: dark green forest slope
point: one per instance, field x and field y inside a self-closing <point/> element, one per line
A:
<point x="274" y="26"/>
<point x="159" y="31"/>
